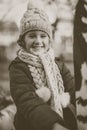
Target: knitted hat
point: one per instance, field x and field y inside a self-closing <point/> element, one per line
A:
<point x="35" y="19"/>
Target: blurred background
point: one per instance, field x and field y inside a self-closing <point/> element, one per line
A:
<point x="61" y="14"/>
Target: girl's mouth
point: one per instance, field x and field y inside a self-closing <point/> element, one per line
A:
<point x="38" y="47"/>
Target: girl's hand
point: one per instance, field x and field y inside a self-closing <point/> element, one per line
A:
<point x="57" y="126"/>
<point x="65" y="99"/>
<point x="44" y="93"/>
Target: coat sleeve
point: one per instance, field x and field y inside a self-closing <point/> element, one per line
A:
<point x="33" y="109"/>
<point x="69" y="85"/>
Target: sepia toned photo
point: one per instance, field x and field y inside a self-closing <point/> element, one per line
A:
<point x="43" y="65"/>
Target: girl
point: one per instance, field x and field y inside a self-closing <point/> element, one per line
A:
<point x="41" y="86"/>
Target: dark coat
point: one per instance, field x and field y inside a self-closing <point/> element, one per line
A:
<point x="32" y="112"/>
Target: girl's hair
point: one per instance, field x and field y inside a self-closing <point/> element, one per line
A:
<point x="21" y="42"/>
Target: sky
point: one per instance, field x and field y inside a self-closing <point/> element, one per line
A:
<point x="12" y="10"/>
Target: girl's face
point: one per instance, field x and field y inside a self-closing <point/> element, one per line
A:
<point x="37" y="42"/>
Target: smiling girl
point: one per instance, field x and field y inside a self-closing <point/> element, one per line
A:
<point x="41" y="86"/>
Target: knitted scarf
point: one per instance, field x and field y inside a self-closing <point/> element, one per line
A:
<point x="45" y="73"/>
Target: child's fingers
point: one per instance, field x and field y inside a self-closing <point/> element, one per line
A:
<point x="44" y="93"/>
<point x="65" y="99"/>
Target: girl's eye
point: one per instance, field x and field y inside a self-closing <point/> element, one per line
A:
<point x="43" y="36"/>
<point x="31" y="36"/>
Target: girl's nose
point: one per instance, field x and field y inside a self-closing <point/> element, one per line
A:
<point x="37" y="41"/>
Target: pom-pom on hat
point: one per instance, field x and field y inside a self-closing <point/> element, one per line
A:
<point x="35" y="19"/>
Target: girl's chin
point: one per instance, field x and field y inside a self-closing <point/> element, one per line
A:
<point x="37" y="51"/>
